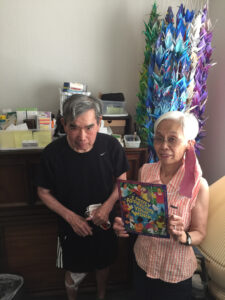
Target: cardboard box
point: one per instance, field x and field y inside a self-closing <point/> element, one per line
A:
<point x="117" y="126"/>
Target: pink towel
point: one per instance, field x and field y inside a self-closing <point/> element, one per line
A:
<point x="192" y="171"/>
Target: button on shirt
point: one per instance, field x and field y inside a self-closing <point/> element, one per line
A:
<point x="163" y="258"/>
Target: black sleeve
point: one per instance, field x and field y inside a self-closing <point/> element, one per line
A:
<point x="45" y="174"/>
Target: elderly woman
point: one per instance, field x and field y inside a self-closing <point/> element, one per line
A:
<point x="164" y="267"/>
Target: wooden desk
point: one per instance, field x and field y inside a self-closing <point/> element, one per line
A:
<point x="28" y="228"/>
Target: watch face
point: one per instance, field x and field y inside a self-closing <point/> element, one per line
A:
<point x="189" y="240"/>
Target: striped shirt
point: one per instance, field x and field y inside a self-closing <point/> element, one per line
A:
<point x="162" y="258"/>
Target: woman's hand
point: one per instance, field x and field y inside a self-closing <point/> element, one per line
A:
<point x="118" y="226"/>
<point x="176" y="228"/>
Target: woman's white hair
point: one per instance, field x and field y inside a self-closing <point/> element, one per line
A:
<point x="187" y="120"/>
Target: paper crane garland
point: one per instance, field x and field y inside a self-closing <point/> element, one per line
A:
<point x="175" y="69"/>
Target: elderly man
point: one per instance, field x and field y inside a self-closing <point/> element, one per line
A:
<point x="76" y="171"/>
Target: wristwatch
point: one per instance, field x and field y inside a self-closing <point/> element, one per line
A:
<point x="188" y="241"/>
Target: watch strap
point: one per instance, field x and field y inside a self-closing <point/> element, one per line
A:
<point x="188" y="239"/>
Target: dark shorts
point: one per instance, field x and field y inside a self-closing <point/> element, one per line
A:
<point x="85" y="254"/>
<point x="155" y="289"/>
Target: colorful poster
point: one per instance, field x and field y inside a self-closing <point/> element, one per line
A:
<point x="144" y="207"/>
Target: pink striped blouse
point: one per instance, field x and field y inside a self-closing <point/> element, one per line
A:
<point x="161" y="258"/>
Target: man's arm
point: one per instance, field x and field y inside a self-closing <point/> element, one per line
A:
<point x="101" y="215"/>
<point x="78" y="223"/>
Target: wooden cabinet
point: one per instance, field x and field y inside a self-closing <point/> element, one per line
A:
<point x="28" y="228"/>
<point x="136" y="158"/>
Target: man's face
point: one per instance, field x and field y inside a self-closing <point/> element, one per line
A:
<point x="81" y="133"/>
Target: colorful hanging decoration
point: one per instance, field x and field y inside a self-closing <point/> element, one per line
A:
<point x="175" y="70"/>
<point x="152" y="29"/>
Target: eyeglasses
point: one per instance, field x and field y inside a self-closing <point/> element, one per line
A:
<point x="171" y="141"/>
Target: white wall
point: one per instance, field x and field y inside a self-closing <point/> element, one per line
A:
<point x="101" y="43"/>
<point x="46" y="42"/>
<point x="212" y="159"/>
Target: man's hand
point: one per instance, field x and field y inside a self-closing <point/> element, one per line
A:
<point x="79" y="224"/>
<point x="101" y="215"/>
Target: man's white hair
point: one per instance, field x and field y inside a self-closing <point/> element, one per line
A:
<point x="187" y="120"/>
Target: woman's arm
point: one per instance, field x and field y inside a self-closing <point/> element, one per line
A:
<point x="199" y="216"/>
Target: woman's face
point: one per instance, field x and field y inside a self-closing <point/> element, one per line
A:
<point x="169" y="142"/>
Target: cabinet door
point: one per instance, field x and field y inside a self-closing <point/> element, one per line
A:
<point x="32" y="171"/>
<point x="133" y="160"/>
<point x="13" y="183"/>
<point x="29" y="249"/>
<point x="136" y="158"/>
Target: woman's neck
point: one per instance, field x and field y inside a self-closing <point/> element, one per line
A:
<point x="168" y="171"/>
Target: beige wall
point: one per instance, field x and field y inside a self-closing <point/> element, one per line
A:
<point x="99" y="42"/>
